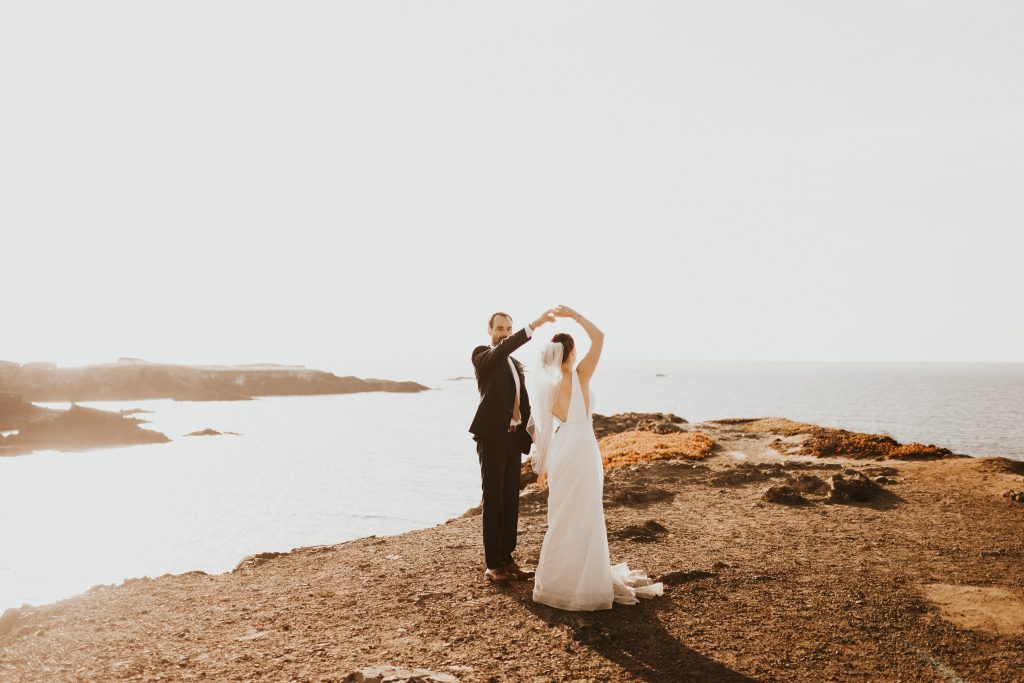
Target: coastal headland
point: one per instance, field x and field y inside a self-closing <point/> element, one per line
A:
<point x="25" y="427"/>
<point x="132" y="379"/>
<point x="788" y="551"/>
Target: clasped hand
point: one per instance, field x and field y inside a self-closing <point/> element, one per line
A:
<point x="549" y="315"/>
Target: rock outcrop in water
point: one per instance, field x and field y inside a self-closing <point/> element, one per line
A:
<point x="137" y="380"/>
<point x="211" y="432"/>
<point x="77" y="428"/>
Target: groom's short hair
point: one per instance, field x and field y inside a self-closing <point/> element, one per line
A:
<point x="490" y="323"/>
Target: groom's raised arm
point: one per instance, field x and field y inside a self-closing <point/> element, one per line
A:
<point x="485" y="357"/>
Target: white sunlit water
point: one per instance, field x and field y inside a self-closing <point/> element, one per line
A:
<point x="323" y="469"/>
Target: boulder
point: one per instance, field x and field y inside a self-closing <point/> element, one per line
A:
<point x="784" y="494"/>
<point x="659" y="423"/>
<point x="856" y="488"/>
<point x="648" y="532"/>
<point x="747" y="473"/>
<point x="807" y="483"/>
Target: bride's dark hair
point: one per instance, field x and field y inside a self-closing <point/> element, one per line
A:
<point x="567" y="344"/>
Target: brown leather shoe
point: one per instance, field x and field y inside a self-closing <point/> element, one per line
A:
<point x="500" y="575"/>
<point x="521" y="574"/>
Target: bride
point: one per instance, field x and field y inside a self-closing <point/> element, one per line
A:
<point x="574" y="571"/>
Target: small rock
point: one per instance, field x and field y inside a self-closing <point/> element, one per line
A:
<point x="256" y="560"/>
<point x="252" y="634"/>
<point x="418" y="597"/>
<point x="807" y="483"/>
<point x="648" y="532"/>
<point x="526" y="474"/>
<point x="211" y="432"/>
<point x="397" y="674"/>
<point x="677" y="577"/>
<point x="638" y="495"/>
<point x="746" y="473"/>
<point x="858" y="488"/>
<point x="785" y="494"/>
<point x="533" y="496"/>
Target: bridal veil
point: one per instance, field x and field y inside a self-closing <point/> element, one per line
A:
<point x="545" y="383"/>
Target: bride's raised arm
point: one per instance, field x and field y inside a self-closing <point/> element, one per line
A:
<point x="586" y="367"/>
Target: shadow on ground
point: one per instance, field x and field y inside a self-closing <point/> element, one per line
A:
<point x="633" y="637"/>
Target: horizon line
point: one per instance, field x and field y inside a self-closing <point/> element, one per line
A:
<point x="408" y="359"/>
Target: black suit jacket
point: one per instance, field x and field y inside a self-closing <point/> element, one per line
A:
<point x="498" y="389"/>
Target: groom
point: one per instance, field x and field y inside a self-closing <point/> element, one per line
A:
<point x="499" y="429"/>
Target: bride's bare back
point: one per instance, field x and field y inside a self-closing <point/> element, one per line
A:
<point x="560" y="408"/>
<point x="563" y="398"/>
<point x="585" y="370"/>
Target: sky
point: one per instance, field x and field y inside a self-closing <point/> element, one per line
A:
<point x="323" y="183"/>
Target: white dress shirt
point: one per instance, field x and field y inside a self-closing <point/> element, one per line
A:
<point x="517" y="418"/>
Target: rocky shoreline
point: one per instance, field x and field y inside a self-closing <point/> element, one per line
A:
<point x="870" y="560"/>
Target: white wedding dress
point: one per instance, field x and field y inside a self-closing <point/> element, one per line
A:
<point x="574" y="571"/>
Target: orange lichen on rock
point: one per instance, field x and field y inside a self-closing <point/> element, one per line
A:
<point x="918" y="450"/>
<point x="827" y="442"/>
<point x="628" y="448"/>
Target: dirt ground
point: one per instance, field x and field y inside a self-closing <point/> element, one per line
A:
<point x="924" y="582"/>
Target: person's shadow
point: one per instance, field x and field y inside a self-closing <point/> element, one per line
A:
<point x="633" y="637"/>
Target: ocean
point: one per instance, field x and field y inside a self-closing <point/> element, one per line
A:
<point x="311" y="470"/>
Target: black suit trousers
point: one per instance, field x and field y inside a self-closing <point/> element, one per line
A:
<point x="500" y="463"/>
